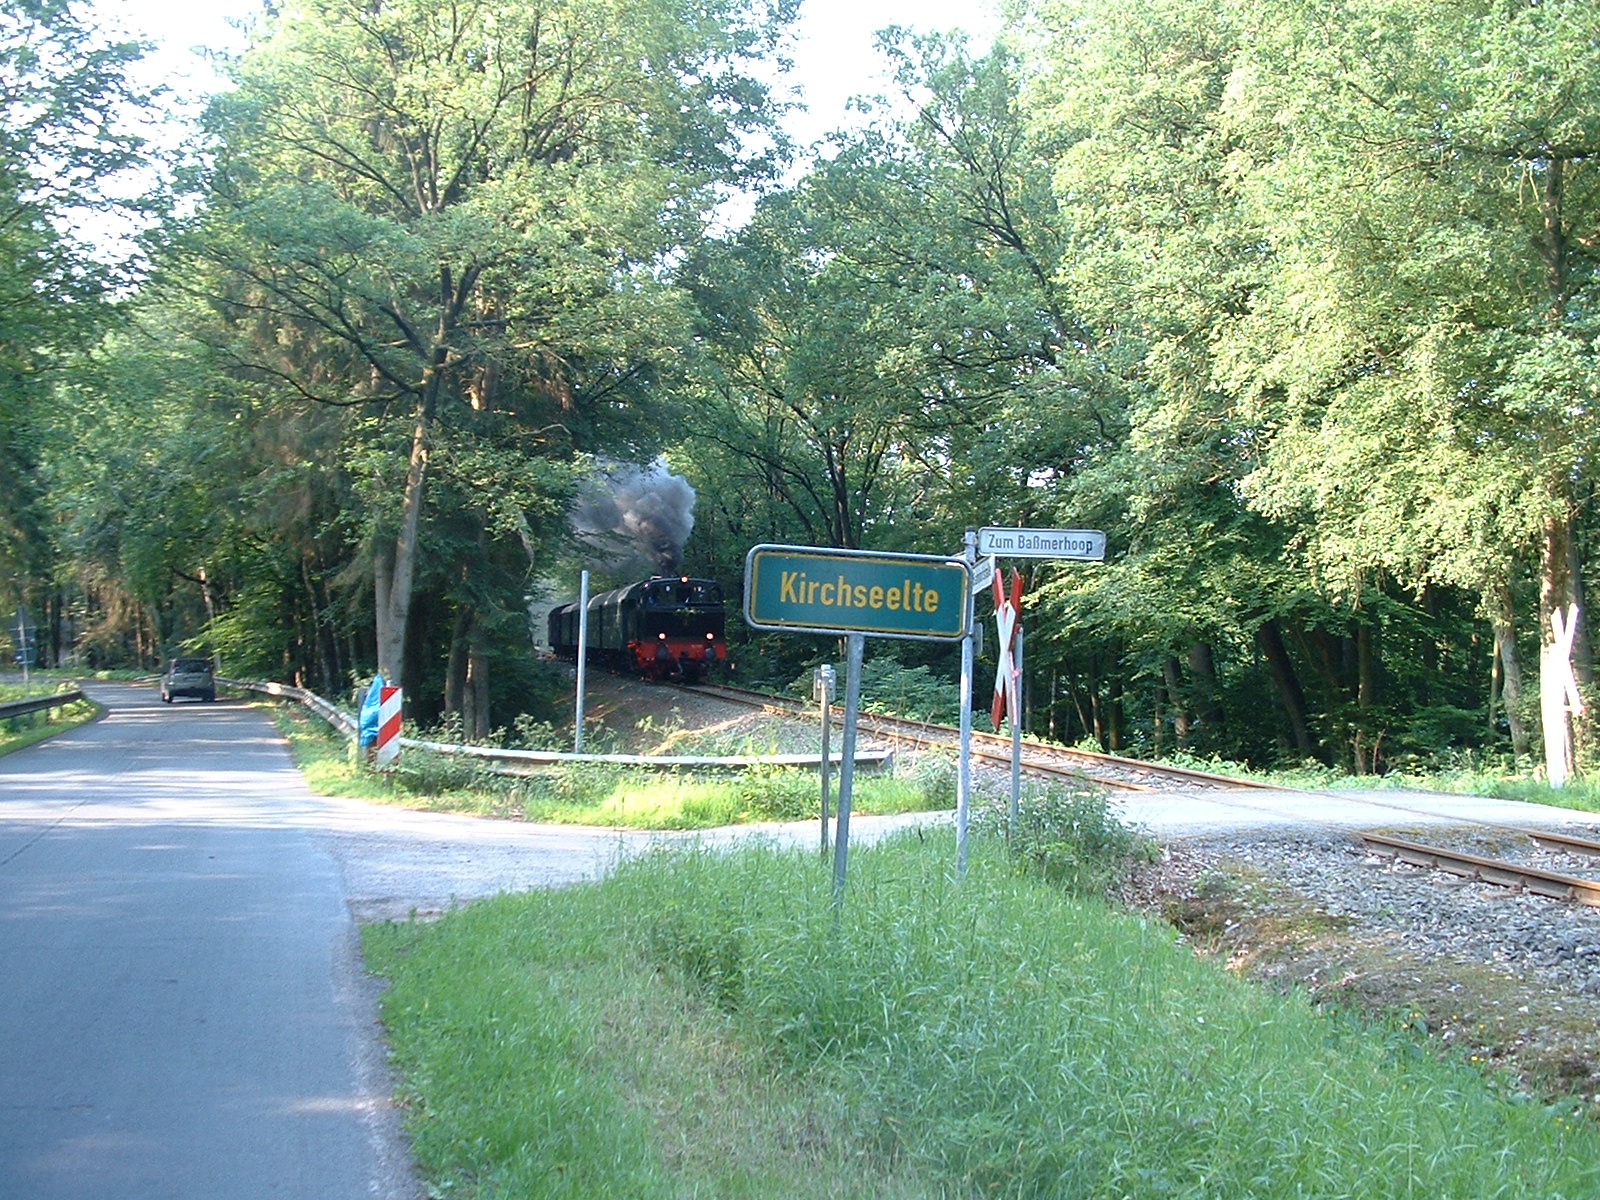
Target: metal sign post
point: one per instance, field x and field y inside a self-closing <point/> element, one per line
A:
<point x="822" y="688"/>
<point x="964" y="758"/>
<point x="856" y="645"/>
<point x="1016" y="743"/>
<point x="854" y="593"/>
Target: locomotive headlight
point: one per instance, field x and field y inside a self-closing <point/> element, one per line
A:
<point x="711" y="637"/>
<point x="661" y="636"/>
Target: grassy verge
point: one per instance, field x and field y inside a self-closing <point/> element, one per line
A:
<point x="595" y="794"/>
<point x="709" y="1024"/>
<point x="26" y="730"/>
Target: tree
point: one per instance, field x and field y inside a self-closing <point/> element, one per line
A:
<point x="1344" y="254"/>
<point x="1426" y="340"/>
<point x="66" y="134"/>
<point x="463" y="217"/>
<point x="891" y="350"/>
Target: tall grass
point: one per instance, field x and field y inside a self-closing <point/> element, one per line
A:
<point x="711" y="1024"/>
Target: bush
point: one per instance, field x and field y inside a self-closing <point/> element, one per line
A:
<point x="1067" y="835"/>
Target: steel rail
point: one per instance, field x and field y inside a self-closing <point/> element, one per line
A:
<point x="1490" y="870"/>
<point x="1564" y="841"/>
<point x="1110" y="769"/>
<point x="19" y="708"/>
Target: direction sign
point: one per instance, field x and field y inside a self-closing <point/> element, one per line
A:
<point x="807" y="589"/>
<point x="1086" y="545"/>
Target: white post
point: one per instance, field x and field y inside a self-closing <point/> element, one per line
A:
<point x="583" y="655"/>
<point x="964" y="761"/>
<point x="855" y="648"/>
<point x="1014" y="699"/>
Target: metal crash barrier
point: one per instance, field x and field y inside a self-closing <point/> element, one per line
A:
<point x="525" y="762"/>
<point x="19" y="708"/>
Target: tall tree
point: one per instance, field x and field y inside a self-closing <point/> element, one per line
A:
<point x="462" y="216"/>
<point x="891" y="349"/>
<point x="1425" y="175"/>
<point x="68" y="131"/>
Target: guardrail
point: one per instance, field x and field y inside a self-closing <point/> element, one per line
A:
<point x="527" y="762"/>
<point x="18" y="708"/>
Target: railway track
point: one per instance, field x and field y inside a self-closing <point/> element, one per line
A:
<point x="1038" y="758"/>
<point x="1134" y="776"/>
<point x="1540" y="879"/>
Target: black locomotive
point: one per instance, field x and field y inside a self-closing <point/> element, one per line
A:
<point x="667" y="626"/>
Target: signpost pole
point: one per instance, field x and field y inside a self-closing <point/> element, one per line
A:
<point x="964" y="760"/>
<point x="855" y="648"/>
<point x="583" y="656"/>
<point x="824" y="689"/>
<point x="1016" y="737"/>
<point x="22" y="645"/>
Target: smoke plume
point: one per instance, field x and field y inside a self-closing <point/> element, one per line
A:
<point x="636" y="519"/>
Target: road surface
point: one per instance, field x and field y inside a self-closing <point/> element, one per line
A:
<point x="182" y="1007"/>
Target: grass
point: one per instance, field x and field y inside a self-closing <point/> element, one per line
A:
<point x="710" y="1024"/>
<point x="597" y="793"/>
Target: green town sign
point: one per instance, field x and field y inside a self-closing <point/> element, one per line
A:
<point x="805" y="589"/>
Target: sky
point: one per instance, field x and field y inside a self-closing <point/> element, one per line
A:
<point x="834" y="58"/>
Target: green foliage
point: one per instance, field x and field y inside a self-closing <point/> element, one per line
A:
<point x="70" y="141"/>
<point x="1067" y="835"/>
<point x="889" y="686"/>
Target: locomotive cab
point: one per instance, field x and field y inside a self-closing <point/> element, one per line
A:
<point x="677" y="627"/>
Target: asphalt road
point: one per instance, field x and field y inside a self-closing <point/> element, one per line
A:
<point x="182" y="1007"/>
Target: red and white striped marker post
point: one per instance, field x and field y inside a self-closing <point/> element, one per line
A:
<point x="388" y="747"/>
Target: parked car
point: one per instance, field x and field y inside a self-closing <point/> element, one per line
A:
<point x="188" y="677"/>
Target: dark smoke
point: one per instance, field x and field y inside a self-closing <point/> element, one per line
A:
<point x="636" y="519"/>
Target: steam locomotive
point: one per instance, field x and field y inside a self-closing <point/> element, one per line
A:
<point x="662" y="627"/>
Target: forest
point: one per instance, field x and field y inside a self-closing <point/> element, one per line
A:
<point x="439" y="304"/>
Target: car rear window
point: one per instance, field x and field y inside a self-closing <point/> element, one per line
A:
<point x="191" y="666"/>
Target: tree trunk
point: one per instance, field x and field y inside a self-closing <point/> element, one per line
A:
<point x="476" y="716"/>
<point x="1501" y="620"/>
<point x="1171" y="673"/>
<point x="396" y="566"/>
<point x="1557" y="583"/>
<point x="1203" y="668"/>
<point x="1269" y="640"/>
<point x="1363" y="740"/>
<point x="455" y="675"/>
<point x="1555" y="663"/>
